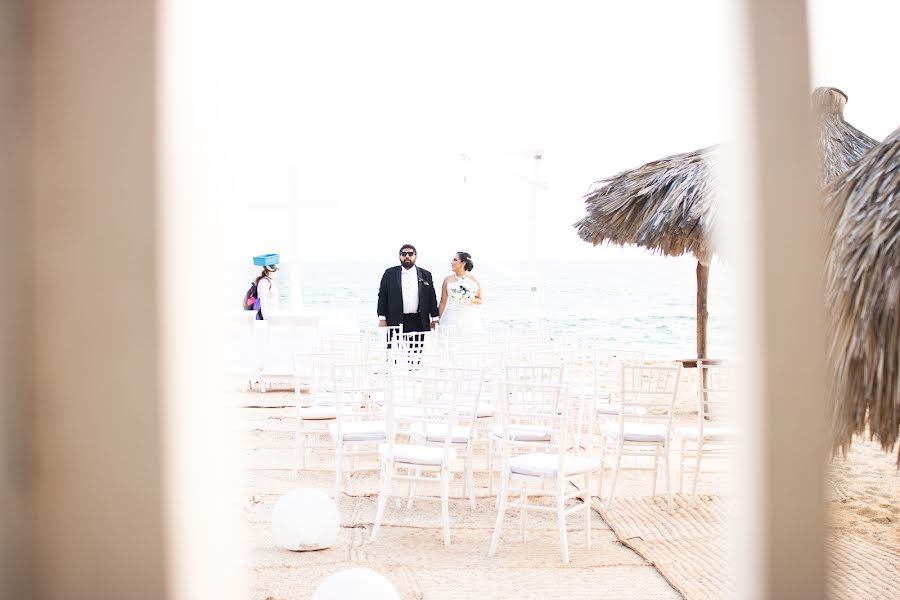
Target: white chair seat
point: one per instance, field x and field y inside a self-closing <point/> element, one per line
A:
<point x="539" y="464"/>
<point x="710" y="434"/>
<point x="417" y="455"/>
<point x="318" y="413"/>
<point x="636" y="432"/>
<point x="522" y="433"/>
<point x="437" y="432"/>
<point x="613" y="409"/>
<point x="360" y="431"/>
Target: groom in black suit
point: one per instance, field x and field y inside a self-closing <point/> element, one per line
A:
<point x="406" y="295"/>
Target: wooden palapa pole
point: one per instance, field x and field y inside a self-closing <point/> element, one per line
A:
<point x="702" y="312"/>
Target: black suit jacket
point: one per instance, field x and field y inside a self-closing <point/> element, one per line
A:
<point x="390" y="297"/>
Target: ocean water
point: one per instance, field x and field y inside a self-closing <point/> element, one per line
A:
<point x="647" y="304"/>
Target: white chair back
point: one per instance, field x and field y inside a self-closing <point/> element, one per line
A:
<point x="716" y="394"/>
<point x="533" y="417"/>
<point x="471" y="383"/>
<point x="359" y="393"/>
<point x="435" y="399"/>
<point x="353" y="346"/>
<point x="647" y="393"/>
<point x="380" y="342"/>
<point x="315" y="371"/>
<point x="413" y="349"/>
<point x="531" y="373"/>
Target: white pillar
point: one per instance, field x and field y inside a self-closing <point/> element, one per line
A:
<point x="781" y="507"/>
<point x="90" y="251"/>
<point x="202" y="459"/>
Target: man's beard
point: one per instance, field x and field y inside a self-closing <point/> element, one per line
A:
<point x="407" y="264"/>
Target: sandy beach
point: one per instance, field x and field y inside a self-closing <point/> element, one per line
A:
<point x="639" y="550"/>
<point x="863" y="495"/>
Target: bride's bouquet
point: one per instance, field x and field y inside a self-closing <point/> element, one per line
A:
<point x="462" y="294"/>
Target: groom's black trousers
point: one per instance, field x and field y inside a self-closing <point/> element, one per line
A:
<point x="413" y="322"/>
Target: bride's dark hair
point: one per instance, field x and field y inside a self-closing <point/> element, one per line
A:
<point x="466" y="258"/>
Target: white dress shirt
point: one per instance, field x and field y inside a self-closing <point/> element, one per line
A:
<point x="409" y="286"/>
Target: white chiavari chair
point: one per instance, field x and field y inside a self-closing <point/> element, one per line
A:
<point x="643" y="426"/>
<point x="417" y="460"/>
<point x="359" y="424"/>
<point x="313" y="372"/>
<point x="469" y="406"/>
<point x="535" y="461"/>
<point x="715" y="433"/>
<point x="520" y="373"/>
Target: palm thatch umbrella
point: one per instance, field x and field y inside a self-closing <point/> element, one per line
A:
<point x="668" y="206"/>
<point x="838" y="144"/>
<point x="863" y="297"/>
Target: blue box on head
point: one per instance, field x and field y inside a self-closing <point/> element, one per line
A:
<point x="266" y="259"/>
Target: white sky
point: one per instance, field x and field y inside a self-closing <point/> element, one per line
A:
<point x="345" y="121"/>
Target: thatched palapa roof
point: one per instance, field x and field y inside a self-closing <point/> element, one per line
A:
<point x="863" y="297"/>
<point x="838" y="143"/>
<point x="667" y="205"/>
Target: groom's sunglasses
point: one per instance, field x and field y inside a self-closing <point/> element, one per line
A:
<point x="407" y="254"/>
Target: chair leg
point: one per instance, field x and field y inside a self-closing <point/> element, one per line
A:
<point x="655" y="466"/>
<point x="668" y="475"/>
<point x="411" y="489"/>
<point x="445" y="503"/>
<point x="578" y="422"/>
<point x="338" y="471"/>
<point x="490" y="465"/>
<point x="384" y="490"/>
<point x="696" y="472"/>
<point x="561" y="521"/>
<point x="302" y="445"/>
<point x="602" y="457"/>
<point x="470" y="479"/>
<point x="523" y="513"/>
<point x="586" y="498"/>
<point x="501" y="513"/>
<point x="615" y="474"/>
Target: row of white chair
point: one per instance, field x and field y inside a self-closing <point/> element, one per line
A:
<point x="631" y="406"/>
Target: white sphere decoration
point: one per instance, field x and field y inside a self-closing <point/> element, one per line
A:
<point x="305" y="519"/>
<point x="356" y="583"/>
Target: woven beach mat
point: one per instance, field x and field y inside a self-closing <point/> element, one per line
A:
<point x="689" y="547"/>
<point x="686" y="545"/>
<point x="862" y="569"/>
<point x="410" y="552"/>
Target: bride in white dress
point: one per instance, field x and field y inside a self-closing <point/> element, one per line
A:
<point x="461" y="299"/>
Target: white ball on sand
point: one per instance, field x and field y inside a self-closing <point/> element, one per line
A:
<point x="356" y="583"/>
<point x="305" y="519"/>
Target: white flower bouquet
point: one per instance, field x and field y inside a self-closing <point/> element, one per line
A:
<point x="463" y="294"/>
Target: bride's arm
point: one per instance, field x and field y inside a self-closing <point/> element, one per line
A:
<point x="479" y="297"/>
<point x="443" y="303"/>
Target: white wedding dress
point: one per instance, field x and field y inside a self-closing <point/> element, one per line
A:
<point x="461" y="317"/>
